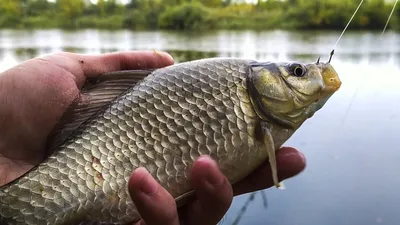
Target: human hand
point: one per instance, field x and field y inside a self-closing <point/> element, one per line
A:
<point x="35" y="94"/>
<point x="213" y="191"/>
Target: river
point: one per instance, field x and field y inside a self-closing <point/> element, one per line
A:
<point x="352" y="145"/>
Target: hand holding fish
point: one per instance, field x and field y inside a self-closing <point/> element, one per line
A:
<point x="35" y="95"/>
<point x="213" y="192"/>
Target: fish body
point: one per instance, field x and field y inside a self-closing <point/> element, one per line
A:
<point x="237" y="111"/>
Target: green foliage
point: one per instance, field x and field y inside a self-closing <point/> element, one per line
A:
<point x="211" y="3"/>
<point x="197" y="14"/>
<point x="238" y="17"/>
<point x="70" y="9"/>
<point x="110" y="23"/>
<point x="10" y="21"/>
<point x="10" y="13"/>
<point x="108" y="7"/>
<point x="187" y="16"/>
<point x="37" y="8"/>
<point x="334" y="14"/>
<point x="11" y="7"/>
<point x="135" y="20"/>
<point x="42" y="21"/>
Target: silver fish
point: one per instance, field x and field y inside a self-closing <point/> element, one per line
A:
<point x="237" y="111"/>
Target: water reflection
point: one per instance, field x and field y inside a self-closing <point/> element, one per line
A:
<point x="272" y="45"/>
<point x="22" y="54"/>
<point x="351" y="144"/>
<point x="26" y="53"/>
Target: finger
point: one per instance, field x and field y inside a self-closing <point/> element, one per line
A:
<point x="155" y="205"/>
<point x="290" y="162"/>
<point x="93" y="65"/>
<point x="213" y="193"/>
<point x="83" y="66"/>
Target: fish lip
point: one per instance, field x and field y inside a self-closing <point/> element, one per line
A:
<point x="332" y="88"/>
<point x="332" y="82"/>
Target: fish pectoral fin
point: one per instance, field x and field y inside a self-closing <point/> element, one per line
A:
<point x="269" y="144"/>
<point x="97" y="93"/>
<point x="185" y="198"/>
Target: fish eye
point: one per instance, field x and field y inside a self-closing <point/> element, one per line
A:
<point x="298" y="70"/>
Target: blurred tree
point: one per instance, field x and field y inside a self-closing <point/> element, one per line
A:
<point x="133" y="4"/>
<point x="292" y="2"/>
<point x="173" y="2"/>
<point x="70" y="10"/>
<point x="108" y="7"/>
<point x="145" y="13"/>
<point x="187" y="16"/>
<point x="38" y="7"/>
<point x="235" y="14"/>
<point x="101" y="7"/>
<point x="226" y="2"/>
<point x="111" y="6"/>
<point x="11" y="13"/>
<point x="11" y="7"/>
<point x="91" y="9"/>
<point x="270" y="4"/>
<point x="154" y="9"/>
<point x="374" y="18"/>
<point x="211" y="3"/>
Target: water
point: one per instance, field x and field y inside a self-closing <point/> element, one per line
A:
<point x="351" y="145"/>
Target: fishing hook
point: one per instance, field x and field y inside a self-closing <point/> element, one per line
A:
<point x="330" y="57"/>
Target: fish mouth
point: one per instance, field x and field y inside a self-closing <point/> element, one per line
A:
<point x="331" y="78"/>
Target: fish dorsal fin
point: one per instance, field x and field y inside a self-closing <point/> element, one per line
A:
<point x="96" y="94"/>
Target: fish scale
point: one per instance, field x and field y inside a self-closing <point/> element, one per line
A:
<point x="163" y="123"/>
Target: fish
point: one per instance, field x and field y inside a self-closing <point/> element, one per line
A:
<point x="237" y="111"/>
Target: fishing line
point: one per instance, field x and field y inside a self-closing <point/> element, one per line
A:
<point x="358" y="87"/>
<point x="344" y="30"/>
<point x="390" y="16"/>
<point x="356" y="92"/>
<point x="348" y="24"/>
<point x="244" y="208"/>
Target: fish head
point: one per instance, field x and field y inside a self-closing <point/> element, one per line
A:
<point x="288" y="93"/>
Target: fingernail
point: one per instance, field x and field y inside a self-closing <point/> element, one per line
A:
<point x="292" y="162"/>
<point x="214" y="176"/>
<point x="295" y="157"/>
<point x="168" y="56"/>
<point x="148" y="185"/>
